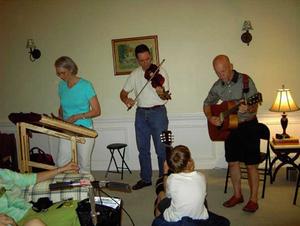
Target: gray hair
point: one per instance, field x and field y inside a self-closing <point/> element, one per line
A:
<point x="67" y="63"/>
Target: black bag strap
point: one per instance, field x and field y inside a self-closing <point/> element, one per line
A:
<point x="40" y="151"/>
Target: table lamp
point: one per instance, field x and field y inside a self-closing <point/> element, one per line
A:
<point x="284" y="103"/>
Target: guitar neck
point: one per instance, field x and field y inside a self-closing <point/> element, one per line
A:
<point x="168" y="147"/>
<point x="257" y="98"/>
<point x="166" y="138"/>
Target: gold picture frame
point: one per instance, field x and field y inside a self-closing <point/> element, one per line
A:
<point x="124" y="52"/>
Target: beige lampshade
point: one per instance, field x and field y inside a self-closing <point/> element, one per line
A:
<point x="284" y="101"/>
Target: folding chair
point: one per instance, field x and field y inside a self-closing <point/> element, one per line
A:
<point x="264" y="134"/>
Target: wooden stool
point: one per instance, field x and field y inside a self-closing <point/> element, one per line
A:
<point x="121" y="150"/>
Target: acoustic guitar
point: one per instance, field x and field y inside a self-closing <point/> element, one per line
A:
<point x="167" y="138"/>
<point x="227" y="112"/>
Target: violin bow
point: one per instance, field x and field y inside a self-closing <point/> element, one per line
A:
<point x="152" y="76"/>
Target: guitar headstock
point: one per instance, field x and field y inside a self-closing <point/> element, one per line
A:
<point x="167" y="137"/>
<point x="256" y="98"/>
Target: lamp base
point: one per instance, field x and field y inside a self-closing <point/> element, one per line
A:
<point x="282" y="136"/>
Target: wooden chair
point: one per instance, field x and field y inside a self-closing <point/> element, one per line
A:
<point x="265" y="158"/>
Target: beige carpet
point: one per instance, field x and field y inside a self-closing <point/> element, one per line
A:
<point x="276" y="209"/>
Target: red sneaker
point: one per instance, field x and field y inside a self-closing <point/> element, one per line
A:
<point x="251" y="207"/>
<point x="233" y="201"/>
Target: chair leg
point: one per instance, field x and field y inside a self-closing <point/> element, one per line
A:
<point x="116" y="165"/>
<point x="270" y="172"/>
<point x="122" y="155"/>
<point x="265" y="179"/>
<point x="226" y="181"/>
<point x="297" y="188"/>
<point x="108" y="166"/>
<point x="127" y="167"/>
<point x="112" y="158"/>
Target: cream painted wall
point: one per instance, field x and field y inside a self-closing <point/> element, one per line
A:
<point x="190" y="34"/>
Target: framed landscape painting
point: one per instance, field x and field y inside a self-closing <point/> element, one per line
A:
<point x="124" y="55"/>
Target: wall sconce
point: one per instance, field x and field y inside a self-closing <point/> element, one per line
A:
<point x="246" y="36"/>
<point x="34" y="53"/>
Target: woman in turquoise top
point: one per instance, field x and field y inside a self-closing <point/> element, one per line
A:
<point x="78" y="105"/>
<point x="12" y="206"/>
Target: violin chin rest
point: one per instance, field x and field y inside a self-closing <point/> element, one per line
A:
<point x="166" y="95"/>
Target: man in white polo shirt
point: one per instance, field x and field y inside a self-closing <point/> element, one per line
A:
<point x="151" y="114"/>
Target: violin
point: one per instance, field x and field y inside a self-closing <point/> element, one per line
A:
<point x="157" y="80"/>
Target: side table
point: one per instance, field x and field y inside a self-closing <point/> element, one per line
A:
<point x="287" y="155"/>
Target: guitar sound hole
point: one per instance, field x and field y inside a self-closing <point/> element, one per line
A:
<point x="220" y="126"/>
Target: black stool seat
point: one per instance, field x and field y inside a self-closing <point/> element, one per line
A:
<point x="116" y="146"/>
<point x="120" y="147"/>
